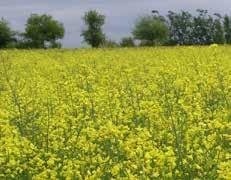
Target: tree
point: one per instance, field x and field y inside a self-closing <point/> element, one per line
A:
<point x="180" y="26"/>
<point x="108" y="43"/>
<point x="202" y="28"/>
<point x="93" y="34"/>
<point x="42" y="31"/>
<point x="6" y="34"/>
<point x="227" y="29"/>
<point x="218" y="30"/>
<point x="151" y="30"/>
<point x="127" y="42"/>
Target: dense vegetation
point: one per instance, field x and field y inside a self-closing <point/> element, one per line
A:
<point x="155" y="113"/>
<point x="176" y="28"/>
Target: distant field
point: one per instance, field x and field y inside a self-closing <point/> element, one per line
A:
<point x="157" y="113"/>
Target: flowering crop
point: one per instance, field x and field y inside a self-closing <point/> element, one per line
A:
<point x="145" y="113"/>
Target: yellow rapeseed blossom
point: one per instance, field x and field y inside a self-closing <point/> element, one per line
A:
<point x="144" y="113"/>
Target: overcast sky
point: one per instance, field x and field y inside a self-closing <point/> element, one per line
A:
<point x="120" y="14"/>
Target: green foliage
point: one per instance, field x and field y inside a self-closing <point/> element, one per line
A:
<point x="127" y="42"/>
<point x="6" y="34"/>
<point x="108" y="43"/>
<point x="93" y="34"/>
<point x="42" y="31"/>
<point x="218" y="30"/>
<point x="227" y="29"/>
<point x="202" y="28"/>
<point x="180" y="26"/>
<point x="151" y="29"/>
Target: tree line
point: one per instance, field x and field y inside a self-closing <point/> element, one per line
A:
<point x="176" y="28"/>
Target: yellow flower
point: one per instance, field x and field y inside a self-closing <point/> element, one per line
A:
<point x="115" y="170"/>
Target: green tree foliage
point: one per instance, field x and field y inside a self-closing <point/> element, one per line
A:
<point x="108" y="43"/>
<point x="202" y="28"/>
<point x="218" y="30"/>
<point x="42" y="31"/>
<point x="227" y="29"/>
<point x="93" y="34"/>
<point x="7" y="37"/>
<point x="127" y="42"/>
<point x="180" y="27"/>
<point x="151" y="30"/>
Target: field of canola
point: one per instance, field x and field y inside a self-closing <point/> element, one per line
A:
<point x="145" y="113"/>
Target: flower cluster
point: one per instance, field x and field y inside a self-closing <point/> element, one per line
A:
<point x="148" y="113"/>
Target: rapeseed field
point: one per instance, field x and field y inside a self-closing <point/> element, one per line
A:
<point x="142" y="113"/>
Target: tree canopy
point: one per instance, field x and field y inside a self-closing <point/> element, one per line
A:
<point x="151" y="30"/>
<point x="227" y="29"/>
<point x="93" y="33"/>
<point x="6" y="34"/>
<point x="176" y="28"/>
<point x="127" y="42"/>
<point x="42" y="31"/>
